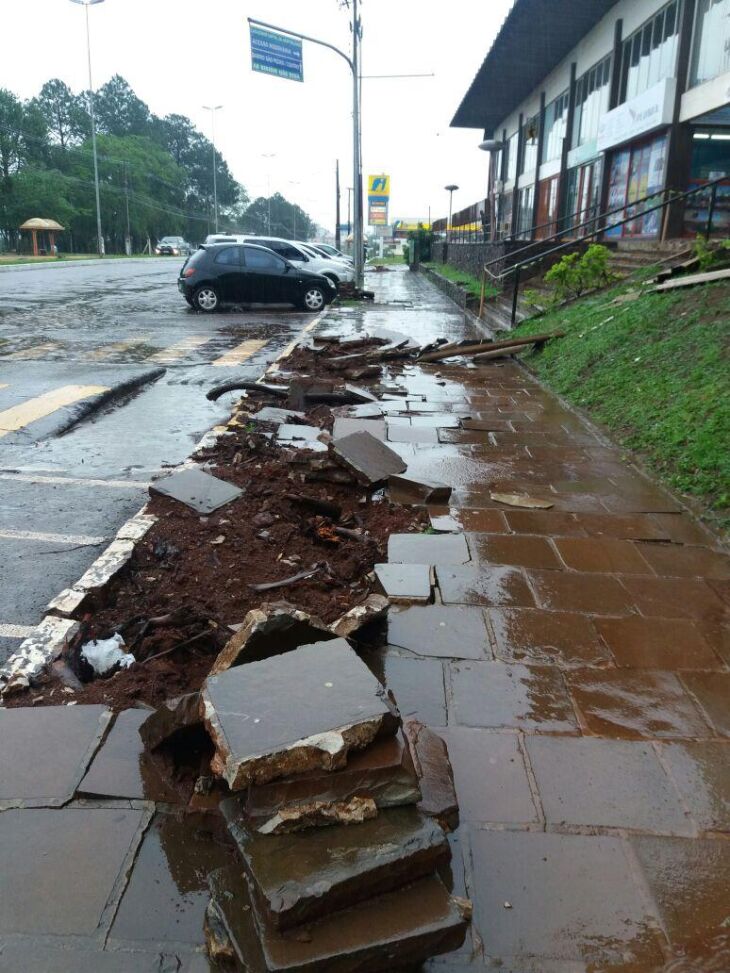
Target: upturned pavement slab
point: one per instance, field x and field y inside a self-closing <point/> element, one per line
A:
<point x="439" y="631"/>
<point x="261" y="731"/>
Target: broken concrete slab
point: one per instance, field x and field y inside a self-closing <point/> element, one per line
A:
<point x="197" y="489"/>
<point x="405" y="582"/>
<point x="287" y="432"/>
<point x="440" y="631"/>
<point x="318" y="814"/>
<point x="297" y="712"/>
<point x="373" y="608"/>
<point x="345" y="426"/>
<point x="367" y="458"/>
<point x="121" y="768"/>
<point x="382" y="772"/>
<point x="45" y="752"/>
<point x="36" y="652"/>
<point x="175" y="715"/>
<point x="436" y="778"/>
<point x="296" y="880"/>
<point x="400" y="929"/>
<point x="410" y="489"/>
<point x="428" y="549"/>
<point x="270" y="630"/>
<point x="276" y="416"/>
<point x="365" y="411"/>
<point x="78" y="856"/>
<point x="359" y="393"/>
<point x="27" y="956"/>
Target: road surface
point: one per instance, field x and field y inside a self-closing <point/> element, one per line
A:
<point x="66" y="333"/>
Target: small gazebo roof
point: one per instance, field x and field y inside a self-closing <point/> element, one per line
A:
<point x="39" y="224"/>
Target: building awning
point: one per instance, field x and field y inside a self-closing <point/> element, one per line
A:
<point x="536" y="36"/>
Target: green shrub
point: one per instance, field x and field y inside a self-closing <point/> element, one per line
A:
<point x="709" y="254"/>
<point x="577" y="273"/>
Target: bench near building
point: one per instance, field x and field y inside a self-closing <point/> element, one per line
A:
<point x="590" y="105"/>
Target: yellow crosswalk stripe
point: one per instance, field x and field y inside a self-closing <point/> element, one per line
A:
<point x="23" y="414"/>
<point x="240" y="353"/>
<point x="180" y="349"/>
<point x="116" y="349"/>
<point x="35" y="351"/>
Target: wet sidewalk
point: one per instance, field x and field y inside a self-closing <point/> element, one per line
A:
<point x="575" y="659"/>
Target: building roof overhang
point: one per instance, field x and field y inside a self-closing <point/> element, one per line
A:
<point x="535" y="37"/>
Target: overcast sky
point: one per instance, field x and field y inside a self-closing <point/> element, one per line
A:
<point x="181" y="54"/>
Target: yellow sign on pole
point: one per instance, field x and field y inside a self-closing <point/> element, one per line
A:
<point x="379" y="187"/>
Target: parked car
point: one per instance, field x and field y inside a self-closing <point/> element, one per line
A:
<point x="333" y="252"/>
<point x="249" y="274"/>
<point x="173" y="246"/>
<point x="294" y="252"/>
<point x="224" y="238"/>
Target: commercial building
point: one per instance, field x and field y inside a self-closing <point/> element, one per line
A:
<point x="592" y="105"/>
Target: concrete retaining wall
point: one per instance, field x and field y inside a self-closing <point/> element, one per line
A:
<point x="457" y="294"/>
<point x="471" y="257"/>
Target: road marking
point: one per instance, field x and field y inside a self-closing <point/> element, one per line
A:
<point x="35" y="351"/>
<point x="78" y="540"/>
<point x="239" y="354"/>
<point x="116" y="349"/>
<point x="180" y="349"/>
<point x="75" y="481"/>
<point x="16" y="631"/>
<point x="44" y="405"/>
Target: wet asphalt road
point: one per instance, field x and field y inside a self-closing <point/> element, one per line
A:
<point x="62" y="497"/>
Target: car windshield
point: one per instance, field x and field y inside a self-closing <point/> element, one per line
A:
<point x="171" y="239"/>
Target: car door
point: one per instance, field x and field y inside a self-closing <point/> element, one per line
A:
<point x="266" y="273"/>
<point x="230" y="276"/>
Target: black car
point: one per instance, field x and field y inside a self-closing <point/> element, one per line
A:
<point x="173" y="246"/>
<point x="248" y="274"/>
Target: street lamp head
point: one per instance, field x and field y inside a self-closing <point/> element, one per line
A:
<point x="212" y="107"/>
<point x="87" y="3"/>
<point x="491" y="145"/>
<point x="451" y="189"/>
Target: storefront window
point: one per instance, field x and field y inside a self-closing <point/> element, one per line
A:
<point x="592" y="93"/>
<point x="524" y="212"/>
<point x="582" y="197"/>
<point x="529" y="152"/>
<point x="511" y="150"/>
<point x="711" y="45"/>
<point x="650" y="53"/>
<point x="637" y="173"/>
<point x="556" y="121"/>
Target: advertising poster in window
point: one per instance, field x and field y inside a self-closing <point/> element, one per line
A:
<point x="617" y="188"/>
<point x="657" y="164"/>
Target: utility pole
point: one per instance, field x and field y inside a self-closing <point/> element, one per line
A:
<point x="128" y="238"/>
<point x="338" y="239"/>
<point x="349" y="210"/>
<point x="213" y="109"/>
<point x="358" y="253"/>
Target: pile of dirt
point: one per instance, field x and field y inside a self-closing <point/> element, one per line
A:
<point x="191" y="580"/>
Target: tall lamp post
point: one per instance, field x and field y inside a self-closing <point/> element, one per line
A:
<point x="267" y="156"/>
<point x="99" y="236"/>
<point x="213" y="109"/>
<point x="450" y="190"/>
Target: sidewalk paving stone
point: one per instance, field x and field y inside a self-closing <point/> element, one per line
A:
<point x="61" y="870"/>
<point x="701" y="772"/>
<point x="531" y="698"/>
<point x="690" y="882"/>
<point x="45" y="752"/>
<point x="686" y="562"/>
<point x="605" y="783"/>
<point x="485" y="521"/>
<point x="634" y="704"/>
<point x="571" y="897"/>
<point x="446" y="632"/>
<point x="36" y="958"/>
<point x="656" y="643"/>
<point x="525" y="552"/>
<point x="551" y="523"/>
<point x="428" y="549"/>
<point x="405" y="582"/>
<point x="674" y="598"/>
<point x="417" y="684"/>
<point x="568" y="591"/>
<point x="606" y="555"/>
<point x="488" y="586"/>
<point x="490" y="776"/>
<point x="561" y="638"/>
<point x="712" y="692"/>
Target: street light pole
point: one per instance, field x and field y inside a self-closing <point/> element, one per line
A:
<point x="450" y="190"/>
<point x="213" y="109"/>
<point x="99" y="236"/>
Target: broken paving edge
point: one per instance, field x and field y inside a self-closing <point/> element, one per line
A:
<point x="39" y="649"/>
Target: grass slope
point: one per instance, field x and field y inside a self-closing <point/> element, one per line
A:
<point x="655" y="373"/>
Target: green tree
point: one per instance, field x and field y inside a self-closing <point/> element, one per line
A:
<point x="287" y="219"/>
<point x="65" y="114"/>
<point x="11" y="127"/>
<point x="119" y="111"/>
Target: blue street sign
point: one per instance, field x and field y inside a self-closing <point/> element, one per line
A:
<point x="276" y="54"/>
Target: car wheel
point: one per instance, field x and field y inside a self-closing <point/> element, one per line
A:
<point x="206" y="299"/>
<point x="313" y="299"/>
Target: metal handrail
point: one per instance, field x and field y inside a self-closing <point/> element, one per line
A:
<point x="674" y="198"/>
